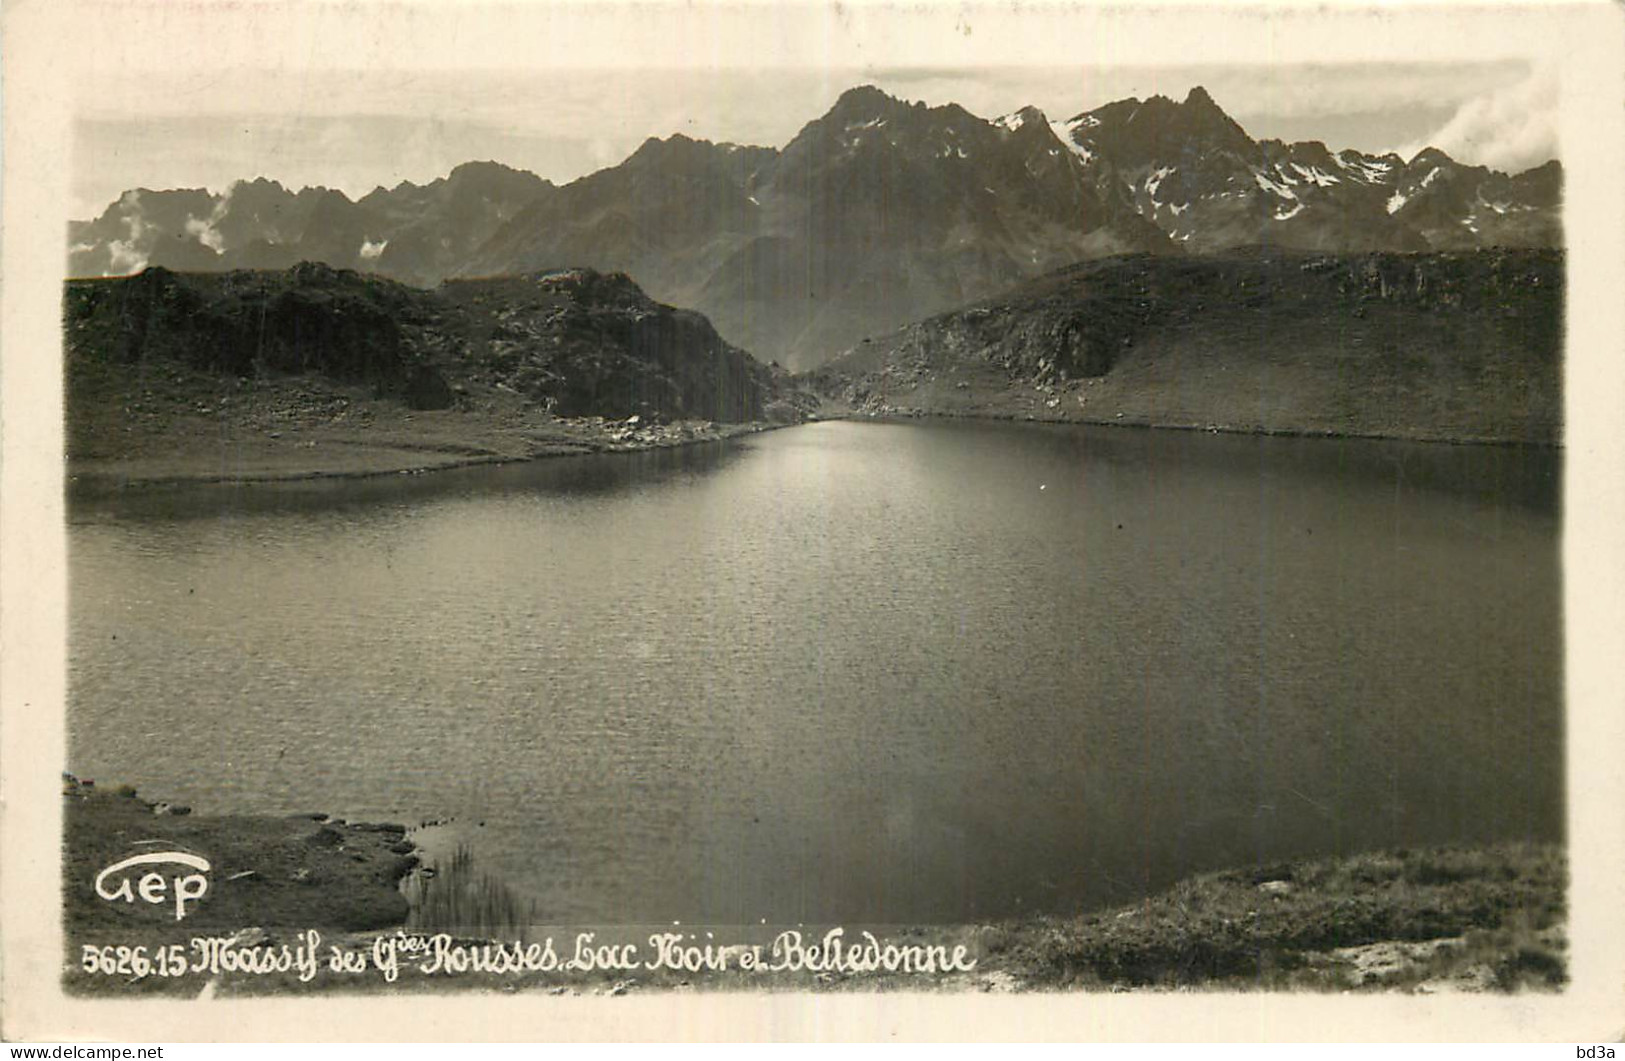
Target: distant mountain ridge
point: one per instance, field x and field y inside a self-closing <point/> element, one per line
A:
<point x="878" y="213"/>
<point x="414" y="233"/>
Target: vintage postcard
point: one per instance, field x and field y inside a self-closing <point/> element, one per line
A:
<point x="812" y="521"/>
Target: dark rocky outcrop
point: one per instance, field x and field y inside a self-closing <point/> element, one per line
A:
<point x="587" y="343"/>
<point x="576" y="342"/>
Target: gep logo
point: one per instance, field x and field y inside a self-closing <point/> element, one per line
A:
<point x="154" y="887"/>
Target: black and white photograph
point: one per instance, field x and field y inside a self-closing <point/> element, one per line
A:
<point x="612" y="505"/>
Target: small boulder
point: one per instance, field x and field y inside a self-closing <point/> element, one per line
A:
<point x="326" y="836"/>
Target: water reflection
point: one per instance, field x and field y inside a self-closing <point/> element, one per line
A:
<point x="583" y="475"/>
<point x="853" y="672"/>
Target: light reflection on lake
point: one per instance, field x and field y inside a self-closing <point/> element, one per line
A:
<point x="850" y="672"/>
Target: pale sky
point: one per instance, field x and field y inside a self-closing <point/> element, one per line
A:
<point x="182" y="124"/>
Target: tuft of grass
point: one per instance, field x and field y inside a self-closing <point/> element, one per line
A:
<point x="1531" y="965"/>
<point x="467" y="902"/>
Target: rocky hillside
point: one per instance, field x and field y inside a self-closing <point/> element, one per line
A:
<point x="1458" y="345"/>
<point x="572" y="342"/>
<point x="584" y="343"/>
<point x="877" y="213"/>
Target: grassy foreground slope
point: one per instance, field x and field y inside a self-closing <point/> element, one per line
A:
<point x="1479" y="918"/>
<point x="1446" y="346"/>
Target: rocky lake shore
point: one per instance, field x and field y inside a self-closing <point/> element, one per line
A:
<point x="196" y="428"/>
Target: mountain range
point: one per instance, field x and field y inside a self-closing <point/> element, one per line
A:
<point x="878" y="213"/>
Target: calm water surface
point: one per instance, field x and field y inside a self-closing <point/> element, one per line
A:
<point x="850" y="672"/>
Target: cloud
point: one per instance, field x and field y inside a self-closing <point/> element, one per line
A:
<point x="1511" y="129"/>
<point x="135" y="221"/>
<point x="125" y="258"/>
<point x="204" y="229"/>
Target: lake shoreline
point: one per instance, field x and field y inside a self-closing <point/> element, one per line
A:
<point x="1491" y="441"/>
<point x="349" y="459"/>
<point x="168" y="424"/>
<point x="1469" y="918"/>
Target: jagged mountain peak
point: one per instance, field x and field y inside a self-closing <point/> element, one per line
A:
<point x="494" y="176"/>
<point x="682" y="150"/>
<point x="1025" y="117"/>
<point x="1161" y="127"/>
<point x="478" y="166"/>
<point x="1432" y="156"/>
<point x="329" y="195"/>
<point x="264" y="185"/>
<point x="865" y="99"/>
<point x="867" y="107"/>
<point x="685" y="158"/>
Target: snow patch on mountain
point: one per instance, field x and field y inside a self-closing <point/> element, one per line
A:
<point x="1063" y="132"/>
<point x="1272" y="186"/>
<point x="1365" y="170"/>
<point x="1314" y="176"/>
